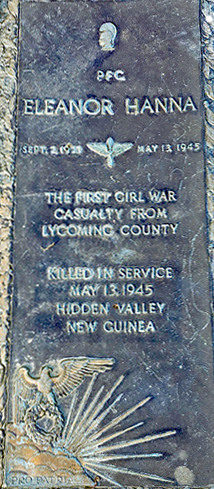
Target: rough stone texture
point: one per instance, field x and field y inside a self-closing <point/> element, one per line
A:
<point x="8" y="80"/>
<point x="8" y="53"/>
<point x="207" y="28"/>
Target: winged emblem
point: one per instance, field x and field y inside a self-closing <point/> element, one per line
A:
<point x="110" y="149"/>
<point x="35" y="400"/>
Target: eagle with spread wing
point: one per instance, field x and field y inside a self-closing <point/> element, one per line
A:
<point x="35" y="400"/>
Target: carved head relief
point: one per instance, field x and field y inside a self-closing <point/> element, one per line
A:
<point x="107" y="32"/>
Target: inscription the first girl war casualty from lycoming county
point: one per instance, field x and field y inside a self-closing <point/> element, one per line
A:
<point x="111" y="352"/>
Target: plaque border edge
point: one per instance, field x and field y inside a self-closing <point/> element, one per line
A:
<point x="9" y="14"/>
<point x="8" y="77"/>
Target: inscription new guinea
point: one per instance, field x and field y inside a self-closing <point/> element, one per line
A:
<point x="111" y="359"/>
<point x="127" y="327"/>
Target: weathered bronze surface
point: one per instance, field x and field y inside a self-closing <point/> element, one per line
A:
<point x="111" y="362"/>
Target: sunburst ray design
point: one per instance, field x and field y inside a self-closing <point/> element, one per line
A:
<point x="91" y="441"/>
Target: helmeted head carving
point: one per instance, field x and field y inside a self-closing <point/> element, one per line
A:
<point x="108" y="32"/>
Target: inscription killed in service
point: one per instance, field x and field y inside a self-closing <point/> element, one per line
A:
<point x="111" y="353"/>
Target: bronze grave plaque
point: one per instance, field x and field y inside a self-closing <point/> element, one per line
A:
<point x="111" y="358"/>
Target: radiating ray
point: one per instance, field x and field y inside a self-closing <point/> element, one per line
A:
<point x="131" y="443"/>
<point x="85" y="435"/>
<point x="102" y="476"/>
<point x="121" y="470"/>
<point x="116" y="434"/>
<point x="90" y="407"/>
<point x="70" y="414"/>
<point x="123" y="457"/>
<point x="83" y="401"/>
<point x="80" y="428"/>
<point x="117" y="420"/>
<point x="103" y="401"/>
<point x="86" y="439"/>
<point x="108" y="396"/>
<point x="120" y="418"/>
<point x="101" y="417"/>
